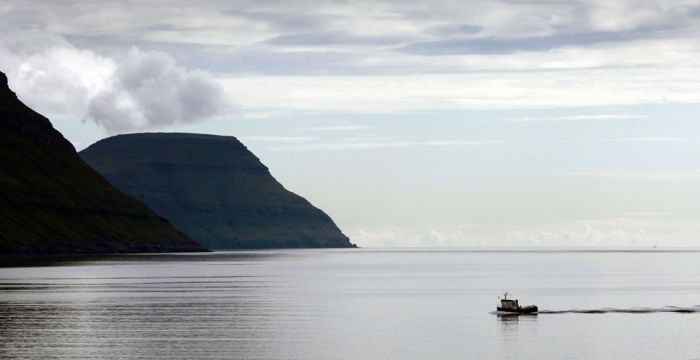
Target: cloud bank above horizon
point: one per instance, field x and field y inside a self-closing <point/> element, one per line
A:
<point x="380" y="55"/>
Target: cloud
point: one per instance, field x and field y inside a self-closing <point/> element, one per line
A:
<point x="645" y="176"/>
<point x="144" y="90"/>
<point x="679" y="83"/>
<point x="495" y="45"/>
<point x="651" y="229"/>
<point x="337" y="128"/>
<point x="455" y="29"/>
<point x="426" y="236"/>
<point x="645" y="139"/>
<point x="149" y="90"/>
<point x="364" y="145"/>
<point x="51" y="75"/>
<point x="584" y="117"/>
<point x="277" y="139"/>
<point x="281" y="18"/>
<point x="334" y="38"/>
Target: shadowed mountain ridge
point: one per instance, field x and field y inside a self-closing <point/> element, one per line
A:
<point x="54" y="203"/>
<point x="213" y="189"/>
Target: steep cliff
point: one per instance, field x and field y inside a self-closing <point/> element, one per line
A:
<point x="213" y="189"/>
<point x="53" y="203"/>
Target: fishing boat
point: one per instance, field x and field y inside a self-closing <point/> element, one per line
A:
<point x="511" y="306"/>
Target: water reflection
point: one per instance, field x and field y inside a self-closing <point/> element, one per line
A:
<point x="155" y="306"/>
<point x="139" y="329"/>
<point x="511" y="321"/>
<point x="92" y="259"/>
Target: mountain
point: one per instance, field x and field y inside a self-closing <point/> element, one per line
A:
<point x="54" y="203"/>
<point x="213" y="189"/>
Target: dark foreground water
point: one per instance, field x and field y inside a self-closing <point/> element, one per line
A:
<point x="353" y="304"/>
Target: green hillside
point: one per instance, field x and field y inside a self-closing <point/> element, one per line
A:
<point x="213" y="189"/>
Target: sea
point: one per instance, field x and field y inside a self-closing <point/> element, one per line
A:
<point x="359" y="304"/>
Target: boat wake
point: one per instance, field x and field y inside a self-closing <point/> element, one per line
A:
<point x="666" y="309"/>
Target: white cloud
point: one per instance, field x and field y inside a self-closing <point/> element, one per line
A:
<point x="425" y="236"/>
<point x="646" y="230"/>
<point x="142" y="91"/>
<point x="387" y="144"/>
<point x="496" y="90"/>
<point x="51" y="75"/>
<point x="149" y="90"/>
<point x="587" y="117"/>
<point x="646" y="139"/>
<point x="337" y="128"/>
<point x="648" y="176"/>
<point x="277" y="139"/>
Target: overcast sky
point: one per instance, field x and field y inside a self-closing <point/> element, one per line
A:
<point x="412" y="123"/>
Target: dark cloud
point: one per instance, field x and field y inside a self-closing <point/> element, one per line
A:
<point x="334" y="38"/>
<point x="231" y="59"/>
<point x="456" y="29"/>
<point x="283" y="21"/>
<point x="260" y="61"/>
<point x="309" y="38"/>
<point x="496" y="45"/>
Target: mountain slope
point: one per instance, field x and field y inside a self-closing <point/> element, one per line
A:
<point x="213" y="189"/>
<point x="52" y="202"/>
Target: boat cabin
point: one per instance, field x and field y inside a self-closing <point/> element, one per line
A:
<point x="509" y="304"/>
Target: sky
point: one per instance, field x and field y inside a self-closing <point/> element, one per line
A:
<point x="411" y="123"/>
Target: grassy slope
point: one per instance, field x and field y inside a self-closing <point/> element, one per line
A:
<point x="52" y="202"/>
<point x="213" y="189"/>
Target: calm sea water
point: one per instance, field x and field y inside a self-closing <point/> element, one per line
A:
<point x="352" y="304"/>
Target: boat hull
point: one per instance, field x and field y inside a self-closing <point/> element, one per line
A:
<point x="532" y="309"/>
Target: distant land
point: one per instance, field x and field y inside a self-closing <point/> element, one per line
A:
<point x="213" y="189"/>
<point x="54" y="203"/>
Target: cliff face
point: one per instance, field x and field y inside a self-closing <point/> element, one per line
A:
<point x="54" y="203"/>
<point x="213" y="189"/>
